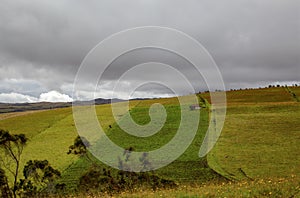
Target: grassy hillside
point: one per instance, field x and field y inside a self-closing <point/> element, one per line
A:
<point x="50" y="133"/>
<point x="33" y="123"/>
<point x="260" y="141"/>
<point x="188" y="168"/>
<point x="296" y="90"/>
<point x="253" y="96"/>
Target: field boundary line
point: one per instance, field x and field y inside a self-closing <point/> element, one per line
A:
<point x="293" y="94"/>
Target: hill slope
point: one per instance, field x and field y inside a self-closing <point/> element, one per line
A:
<point x="261" y="135"/>
<point x="260" y="138"/>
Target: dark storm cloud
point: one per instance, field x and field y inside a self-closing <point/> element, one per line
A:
<point x="42" y="43"/>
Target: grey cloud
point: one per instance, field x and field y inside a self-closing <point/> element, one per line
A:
<point x="253" y="42"/>
<point x="27" y="87"/>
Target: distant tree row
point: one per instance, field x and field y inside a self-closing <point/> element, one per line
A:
<point x="269" y="86"/>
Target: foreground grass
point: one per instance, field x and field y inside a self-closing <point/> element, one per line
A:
<point x="269" y="187"/>
<point x="258" y="188"/>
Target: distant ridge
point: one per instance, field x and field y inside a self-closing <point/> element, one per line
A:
<point x="97" y="101"/>
<point x="20" y="107"/>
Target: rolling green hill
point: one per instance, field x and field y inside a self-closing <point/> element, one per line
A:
<point x="260" y="139"/>
<point x="261" y="135"/>
<point x="188" y="168"/>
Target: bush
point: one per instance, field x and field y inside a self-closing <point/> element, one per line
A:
<point x="104" y="181"/>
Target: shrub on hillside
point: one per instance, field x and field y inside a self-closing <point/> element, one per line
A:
<point x="104" y="181"/>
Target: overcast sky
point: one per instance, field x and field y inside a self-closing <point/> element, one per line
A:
<point x="42" y="43"/>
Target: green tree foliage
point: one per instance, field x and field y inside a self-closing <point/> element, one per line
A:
<point x="39" y="177"/>
<point x="79" y="147"/>
<point x="4" y="187"/>
<point x="12" y="147"/>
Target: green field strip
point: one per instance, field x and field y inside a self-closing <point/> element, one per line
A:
<point x="71" y="175"/>
<point x="52" y="144"/>
<point x="34" y="123"/>
<point x="214" y="164"/>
